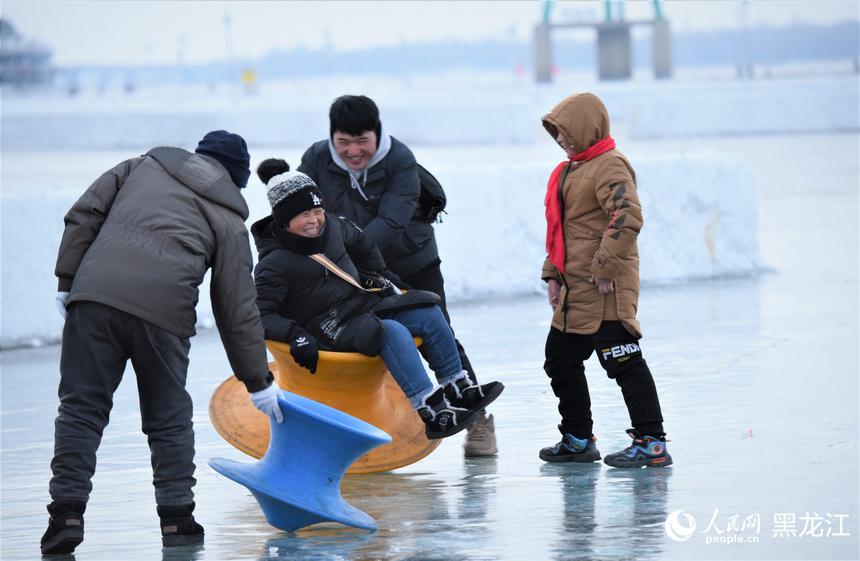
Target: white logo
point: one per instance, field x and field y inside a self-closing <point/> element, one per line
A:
<point x="620" y="350"/>
<point x="317" y="200"/>
<point x="680" y="531"/>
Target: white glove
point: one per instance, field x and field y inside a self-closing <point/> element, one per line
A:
<point x="61" y="299"/>
<point x="267" y="402"/>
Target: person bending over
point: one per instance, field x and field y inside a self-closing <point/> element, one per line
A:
<point x="135" y="249"/>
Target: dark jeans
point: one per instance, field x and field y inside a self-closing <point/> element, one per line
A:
<point x="621" y="357"/>
<point x="430" y="278"/>
<point x="97" y="343"/>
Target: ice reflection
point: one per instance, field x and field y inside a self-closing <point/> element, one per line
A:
<point x="190" y="553"/>
<point x="637" y="500"/>
<point x="477" y="487"/>
<point x="415" y="506"/>
<point x="609" y="513"/>
<point x="578" y="487"/>
<point x="321" y="542"/>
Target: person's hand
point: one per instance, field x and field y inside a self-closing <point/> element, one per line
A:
<point x="60" y="300"/>
<point x="603" y="286"/>
<point x="553" y="288"/>
<point x="304" y="349"/>
<point x="267" y="402"/>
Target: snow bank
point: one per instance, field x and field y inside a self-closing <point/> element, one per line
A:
<point x="700" y="222"/>
<point x="700" y="209"/>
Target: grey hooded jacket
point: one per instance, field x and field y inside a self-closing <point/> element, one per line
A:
<point x="142" y="237"/>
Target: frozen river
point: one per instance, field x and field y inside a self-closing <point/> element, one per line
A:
<point x="758" y="380"/>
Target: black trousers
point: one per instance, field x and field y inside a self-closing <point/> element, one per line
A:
<point x="98" y="342"/>
<point x="621" y="357"/>
<point x="430" y="278"/>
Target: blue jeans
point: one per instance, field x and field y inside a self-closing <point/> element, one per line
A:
<point x="98" y="341"/>
<point x="403" y="359"/>
<point x="430" y="278"/>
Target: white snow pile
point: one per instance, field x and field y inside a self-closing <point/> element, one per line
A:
<point x="700" y="222"/>
<point x="700" y="208"/>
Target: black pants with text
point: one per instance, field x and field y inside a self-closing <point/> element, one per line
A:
<point x="621" y="357"/>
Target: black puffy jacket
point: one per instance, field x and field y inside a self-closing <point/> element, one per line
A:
<point x="296" y="293"/>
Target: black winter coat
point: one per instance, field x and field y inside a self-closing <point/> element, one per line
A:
<point x="387" y="217"/>
<point x="296" y="294"/>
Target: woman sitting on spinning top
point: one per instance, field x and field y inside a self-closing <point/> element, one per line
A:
<point x="310" y="306"/>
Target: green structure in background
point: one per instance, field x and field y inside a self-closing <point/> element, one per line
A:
<point x="614" y="58"/>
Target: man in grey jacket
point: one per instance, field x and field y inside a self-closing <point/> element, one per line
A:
<point x="134" y="251"/>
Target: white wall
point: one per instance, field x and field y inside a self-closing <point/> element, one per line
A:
<point x="700" y="211"/>
<point x="700" y="222"/>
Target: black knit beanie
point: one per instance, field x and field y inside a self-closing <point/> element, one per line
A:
<point x="231" y="151"/>
<point x="290" y="194"/>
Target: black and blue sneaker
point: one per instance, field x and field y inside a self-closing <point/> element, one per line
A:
<point x="645" y="451"/>
<point x="571" y="449"/>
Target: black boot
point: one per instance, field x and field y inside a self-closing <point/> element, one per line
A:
<point x="65" y="527"/>
<point x="464" y="394"/>
<point x="178" y="526"/>
<point x="443" y="419"/>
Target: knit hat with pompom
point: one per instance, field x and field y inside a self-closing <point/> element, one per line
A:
<point x="290" y="193"/>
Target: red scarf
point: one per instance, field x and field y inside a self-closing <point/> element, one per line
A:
<point x="554" y="231"/>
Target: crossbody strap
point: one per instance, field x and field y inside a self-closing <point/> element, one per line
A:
<point x="329" y="264"/>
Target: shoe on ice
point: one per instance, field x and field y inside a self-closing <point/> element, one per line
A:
<point x="65" y="528"/>
<point x="571" y="449"/>
<point x="481" y="437"/>
<point x="645" y="451"/>
<point x="441" y="418"/>
<point x="178" y="526"/>
<point x="465" y="395"/>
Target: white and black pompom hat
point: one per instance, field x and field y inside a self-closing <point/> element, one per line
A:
<point x="292" y="193"/>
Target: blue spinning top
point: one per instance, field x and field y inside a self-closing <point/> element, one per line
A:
<point x="297" y="481"/>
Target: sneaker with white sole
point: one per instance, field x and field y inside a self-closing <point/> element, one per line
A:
<point x="645" y="451"/>
<point x="464" y="394"/>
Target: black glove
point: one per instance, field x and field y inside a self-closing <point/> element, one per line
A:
<point x="304" y="349"/>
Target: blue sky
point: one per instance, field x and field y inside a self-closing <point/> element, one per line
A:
<point x="165" y="32"/>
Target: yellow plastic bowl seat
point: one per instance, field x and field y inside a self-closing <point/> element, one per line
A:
<point x="353" y="383"/>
